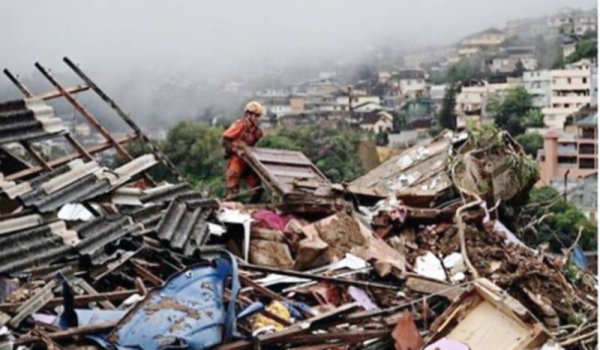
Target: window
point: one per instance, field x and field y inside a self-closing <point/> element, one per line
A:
<point x="587" y="163"/>
<point x="584" y="80"/>
<point x="587" y="149"/>
<point x="567" y="160"/>
<point x="568" y="80"/>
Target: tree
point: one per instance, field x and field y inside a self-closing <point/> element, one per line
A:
<point x="447" y="116"/>
<point x="561" y="222"/>
<point x="398" y="122"/>
<point x="519" y="68"/>
<point x="382" y="138"/>
<point x="587" y="48"/>
<point x="334" y="150"/>
<point x="196" y="151"/>
<point x="510" y="112"/>
<point x="531" y="143"/>
<point x="534" y="119"/>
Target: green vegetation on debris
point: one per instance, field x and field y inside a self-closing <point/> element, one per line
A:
<point x="558" y="221"/>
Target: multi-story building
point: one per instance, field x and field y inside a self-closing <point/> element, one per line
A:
<point x="585" y="22"/>
<point x="508" y="58"/>
<point x="569" y="91"/>
<point x="409" y="84"/>
<point x="537" y="84"/>
<point x="573" y="155"/>
<point x="472" y="97"/>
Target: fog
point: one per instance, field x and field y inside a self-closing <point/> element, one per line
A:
<point x="168" y="60"/>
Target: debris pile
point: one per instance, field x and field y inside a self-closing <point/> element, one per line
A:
<point x="413" y="255"/>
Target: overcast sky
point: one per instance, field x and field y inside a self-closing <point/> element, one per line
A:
<point x="199" y="40"/>
<point x="211" y="35"/>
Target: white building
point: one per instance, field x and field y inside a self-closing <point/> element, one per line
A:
<point x="437" y="92"/>
<point x="342" y="102"/>
<point x="472" y="98"/>
<point x="537" y="84"/>
<point x="476" y="95"/>
<point x="585" y="22"/>
<point x="570" y="89"/>
<point x="508" y="58"/>
<point x="410" y="83"/>
<point x="377" y="122"/>
<point x="278" y="109"/>
<point x="272" y="93"/>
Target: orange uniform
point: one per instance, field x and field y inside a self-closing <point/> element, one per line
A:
<point x="243" y="132"/>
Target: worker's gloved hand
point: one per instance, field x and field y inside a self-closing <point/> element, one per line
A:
<point x="240" y="148"/>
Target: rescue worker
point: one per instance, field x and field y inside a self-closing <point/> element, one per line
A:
<point x="244" y="132"/>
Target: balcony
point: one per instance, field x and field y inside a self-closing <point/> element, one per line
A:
<point x="567" y="151"/>
<point x="571" y="100"/>
<point x="571" y="87"/>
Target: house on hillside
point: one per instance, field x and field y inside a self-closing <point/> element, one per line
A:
<point x="507" y="59"/>
<point x="581" y="192"/>
<point x="585" y="22"/>
<point x="569" y="45"/>
<point x="573" y="155"/>
<point x="570" y="90"/>
<point x="537" y="84"/>
<point x="487" y="38"/>
<point x="377" y="121"/>
<point x="526" y="27"/>
<point x="409" y="84"/>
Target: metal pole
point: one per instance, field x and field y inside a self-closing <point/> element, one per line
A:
<point x="17" y="83"/>
<point x="89" y="117"/>
<point x="45" y="96"/>
<point x="36" y="156"/>
<point x="63" y="160"/>
<point x="155" y="149"/>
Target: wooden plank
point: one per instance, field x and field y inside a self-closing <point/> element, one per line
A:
<point x="293" y="174"/>
<point x="279" y="175"/>
<point x="282" y="160"/>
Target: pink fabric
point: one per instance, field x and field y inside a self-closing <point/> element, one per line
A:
<point x="270" y="220"/>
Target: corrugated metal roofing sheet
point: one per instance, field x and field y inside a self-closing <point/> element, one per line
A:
<point x="27" y="119"/>
<point x="24" y="248"/>
<point x="184" y="227"/>
<point x="420" y="167"/>
<point x="75" y="182"/>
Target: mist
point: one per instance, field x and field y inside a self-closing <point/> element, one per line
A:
<point x="164" y="61"/>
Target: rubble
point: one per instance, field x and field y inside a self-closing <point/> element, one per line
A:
<point x="408" y="256"/>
